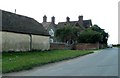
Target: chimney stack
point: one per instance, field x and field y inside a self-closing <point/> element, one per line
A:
<point x="67" y="19"/>
<point x="80" y="18"/>
<point x="53" y="19"/>
<point x="44" y="18"/>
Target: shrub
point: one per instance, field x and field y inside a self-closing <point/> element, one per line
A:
<point x="89" y="36"/>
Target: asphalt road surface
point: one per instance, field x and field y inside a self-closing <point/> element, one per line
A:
<point x="102" y="63"/>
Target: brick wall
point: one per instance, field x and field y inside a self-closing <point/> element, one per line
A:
<point x="79" y="46"/>
<point x="85" y="46"/>
<point x="56" y="46"/>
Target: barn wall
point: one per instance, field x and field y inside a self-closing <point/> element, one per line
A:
<point x="0" y="29"/>
<point x="40" y="42"/>
<point x="15" y="42"/>
<point x="21" y="42"/>
<point x="0" y="42"/>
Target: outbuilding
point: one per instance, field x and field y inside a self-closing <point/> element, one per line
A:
<point x="22" y="33"/>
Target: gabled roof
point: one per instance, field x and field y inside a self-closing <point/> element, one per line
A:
<point x="46" y="24"/>
<point x="12" y="22"/>
<point x="86" y="22"/>
<point x="73" y="23"/>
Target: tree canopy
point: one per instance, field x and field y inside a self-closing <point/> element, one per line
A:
<point x="102" y="32"/>
<point x="67" y="33"/>
<point x="90" y="35"/>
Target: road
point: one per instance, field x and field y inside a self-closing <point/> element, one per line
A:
<point x="102" y="63"/>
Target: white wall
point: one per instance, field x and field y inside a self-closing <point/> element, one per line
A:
<point x="40" y="42"/>
<point x="0" y="42"/>
<point x="21" y="42"/>
<point x="15" y="42"/>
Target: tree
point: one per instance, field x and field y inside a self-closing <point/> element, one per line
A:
<point x="67" y="34"/>
<point x="89" y="36"/>
<point x="103" y="33"/>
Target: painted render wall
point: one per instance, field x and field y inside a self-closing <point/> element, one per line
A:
<point x="0" y="42"/>
<point x="40" y="42"/>
<point x="0" y="33"/>
<point x="21" y="42"/>
<point x="15" y="42"/>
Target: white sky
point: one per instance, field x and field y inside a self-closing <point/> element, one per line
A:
<point x="104" y="13"/>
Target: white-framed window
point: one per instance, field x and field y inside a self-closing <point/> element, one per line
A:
<point x="51" y="32"/>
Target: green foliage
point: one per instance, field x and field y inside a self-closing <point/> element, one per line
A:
<point x="96" y="28"/>
<point x="89" y="36"/>
<point x="116" y="45"/>
<point x="17" y="61"/>
<point x="67" y="33"/>
<point x="102" y="32"/>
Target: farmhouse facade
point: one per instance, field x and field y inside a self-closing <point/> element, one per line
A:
<point x="82" y="24"/>
<point x="21" y="33"/>
<point x="51" y="27"/>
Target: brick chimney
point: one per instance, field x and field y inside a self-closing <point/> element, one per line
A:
<point x="44" y="18"/>
<point x="53" y="19"/>
<point x="67" y="19"/>
<point x="80" y="19"/>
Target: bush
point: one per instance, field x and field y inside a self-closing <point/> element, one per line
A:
<point x="67" y="33"/>
<point x="89" y="36"/>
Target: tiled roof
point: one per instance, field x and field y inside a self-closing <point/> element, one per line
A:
<point x="86" y="22"/>
<point x="73" y="23"/>
<point x="46" y="24"/>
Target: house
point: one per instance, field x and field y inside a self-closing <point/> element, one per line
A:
<point x="82" y="24"/>
<point x="22" y="33"/>
<point x="50" y="27"/>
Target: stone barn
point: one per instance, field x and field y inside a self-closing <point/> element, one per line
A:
<point x="22" y="33"/>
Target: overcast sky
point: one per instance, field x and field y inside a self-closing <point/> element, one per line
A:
<point x="104" y="13"/>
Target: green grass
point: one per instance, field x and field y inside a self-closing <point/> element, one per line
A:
<point x="17" y="61"/>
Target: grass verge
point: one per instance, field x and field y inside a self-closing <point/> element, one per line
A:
<point x="12" y="62"/>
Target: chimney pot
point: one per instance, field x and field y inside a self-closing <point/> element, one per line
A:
<point x="53" y="19"/>
<point x="44" y="18"/>
<point x="80" y="18"/>
<point x="67" y="19"/>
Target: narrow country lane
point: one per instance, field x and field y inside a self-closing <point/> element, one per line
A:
<point x="102" y="63"/>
